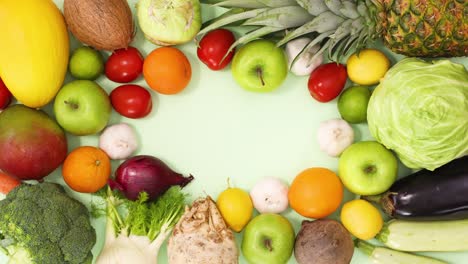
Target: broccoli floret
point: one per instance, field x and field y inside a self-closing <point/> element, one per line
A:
<point x="46" y="225"/>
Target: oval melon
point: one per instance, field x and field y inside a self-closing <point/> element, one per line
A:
<point x="34" y="50"/>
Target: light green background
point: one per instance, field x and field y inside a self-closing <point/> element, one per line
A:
<point x="215" y="130"/>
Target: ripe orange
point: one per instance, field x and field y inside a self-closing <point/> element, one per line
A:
<point x="167" y="70"/>
<point x="86" y="169"/>
<point x="315" y="193"/>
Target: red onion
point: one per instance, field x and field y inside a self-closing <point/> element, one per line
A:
<point x="144" y="173"/>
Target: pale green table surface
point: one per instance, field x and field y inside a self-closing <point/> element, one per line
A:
<point x="215" y="130"/>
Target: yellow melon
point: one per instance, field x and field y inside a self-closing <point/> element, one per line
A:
<point x="34" y="50"/>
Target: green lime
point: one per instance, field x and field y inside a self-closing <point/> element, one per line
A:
<point x="352" y="104"/>
<point x="86" y="64"/>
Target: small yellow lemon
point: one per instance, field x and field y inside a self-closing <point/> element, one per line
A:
<point x="361" y="219"/>
<point x="236" y="208"/>
<point x="367" y="67"/>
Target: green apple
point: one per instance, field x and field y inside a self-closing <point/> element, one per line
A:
<point x="82" y="107"/>
<point x="86" y="63"/>
<point x="268" y="238"/>
<point x="367" y="168"/>
<point x="260" y="66"/>
<point x="352" y="104"/>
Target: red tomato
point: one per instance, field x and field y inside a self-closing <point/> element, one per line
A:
<point x="327" y="81"/>
<point x="124" y="65"/>
<point x="213" y="46"/>
<point x="132" y="101"/>
<point x="8" y="183"/>
<point x="5" y="96"/>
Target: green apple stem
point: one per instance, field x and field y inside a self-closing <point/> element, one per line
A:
<point x="370" y="169"/>
<point x="260" y="75"/>
<point x="72" y="105"/>
<point x="268" y="244"/>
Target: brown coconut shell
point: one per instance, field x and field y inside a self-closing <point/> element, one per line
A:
<point x="101" y="24"/>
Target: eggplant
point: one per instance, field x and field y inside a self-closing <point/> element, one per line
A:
<point x="441" y="194"/>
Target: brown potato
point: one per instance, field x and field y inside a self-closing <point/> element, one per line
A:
<point x="323" y="241"/>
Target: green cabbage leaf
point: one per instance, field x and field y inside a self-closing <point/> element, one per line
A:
<point x="420" y="111"/>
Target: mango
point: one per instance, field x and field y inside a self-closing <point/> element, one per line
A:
<point x="32" y="145"/>
<point x="34" y="50"/>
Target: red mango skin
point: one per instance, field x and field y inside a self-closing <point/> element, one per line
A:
<point x="32" y="144"/>
<point x="5" y="96"/>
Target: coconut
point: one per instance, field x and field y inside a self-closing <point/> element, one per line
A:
<point x="101" y="24"/>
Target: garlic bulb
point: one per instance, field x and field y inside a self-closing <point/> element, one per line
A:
<point x="304" y="64"/>
<point x="118" y="141"/>
<point x="334" y="136"/>
<point x="270" y="195"/>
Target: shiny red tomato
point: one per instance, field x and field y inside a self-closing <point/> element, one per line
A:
<point x="213" y="46"/>
<point x="132" y="101"/>
<point x="124" y="65"/>
<point x="5" y="96"/>
<point x="327" y="81"/>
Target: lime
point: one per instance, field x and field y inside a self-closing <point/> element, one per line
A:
<point x="352" y="104"/>
<point x="236" y="208"/>
<point x="86" y="63"/>
<point x="367" y="67"/>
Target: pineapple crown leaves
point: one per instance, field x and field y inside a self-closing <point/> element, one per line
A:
<point x="250" y="3"/>
<point x="340" y="26"/>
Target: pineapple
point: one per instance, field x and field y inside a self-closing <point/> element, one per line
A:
<point x="416" y="28"/>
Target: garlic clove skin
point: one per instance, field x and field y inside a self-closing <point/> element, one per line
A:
<point x="304" y="65"/>
<point x="270" y="195"/>
<point x="334" y="136"/>
<point x="118" y="141"/>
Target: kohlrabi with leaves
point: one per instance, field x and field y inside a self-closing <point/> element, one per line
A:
<point x="136" y="230"/>
<point x="169" y="22"/>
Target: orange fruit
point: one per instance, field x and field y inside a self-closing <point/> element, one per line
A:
<point x="315" y="193"/>
<point x="167" y="70"/>
<point x="86" y="169"/>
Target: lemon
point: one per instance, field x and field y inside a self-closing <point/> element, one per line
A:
<point x="367" y="67"/>
<point x="361" y="219"/>
<point x="236" y="208"/>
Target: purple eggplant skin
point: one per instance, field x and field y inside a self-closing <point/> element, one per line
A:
<point x="441" y="194"/>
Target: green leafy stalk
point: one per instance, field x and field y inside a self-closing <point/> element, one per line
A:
<point x="135" y="230"/>
<point x="143" y="217"/>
